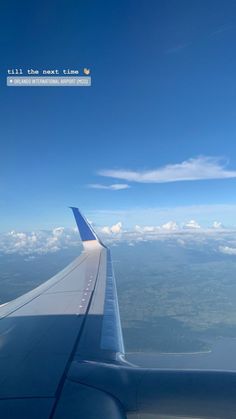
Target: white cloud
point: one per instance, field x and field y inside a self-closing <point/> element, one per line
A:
<point x="200" y="168"/>
<point x="192" y="224"/>
<point x="170" y="226"/>
<point x="114" y="229"/>
<point x="106" y="230"/>
<point x="217" y="224"/>
<point x="149" y="229"/>
<point x="39" y="242"/>
<point x="58" y="231"/>
<point x="227" y="250"/>
<point x="114" y="187"/>
<point x="146" y="229"/>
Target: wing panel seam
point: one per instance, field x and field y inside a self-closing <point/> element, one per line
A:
<point x="70" y="359"/>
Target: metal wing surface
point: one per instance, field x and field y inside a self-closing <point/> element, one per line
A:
<point x="73" y="313"/>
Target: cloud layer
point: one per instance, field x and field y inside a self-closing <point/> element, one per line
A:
<point x="200" y="168"/>
<point x="114" y="187"/>
<point x="43" y="242"/>
<point x="38" y="242"/>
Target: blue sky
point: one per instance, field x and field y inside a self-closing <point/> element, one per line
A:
<point x="163" y="93"/>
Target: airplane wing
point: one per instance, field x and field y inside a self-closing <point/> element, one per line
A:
<point x="75" y="313"/>
<point x="62" y="354"/>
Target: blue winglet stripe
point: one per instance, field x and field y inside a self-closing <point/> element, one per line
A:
<point x="85" y="230"/>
